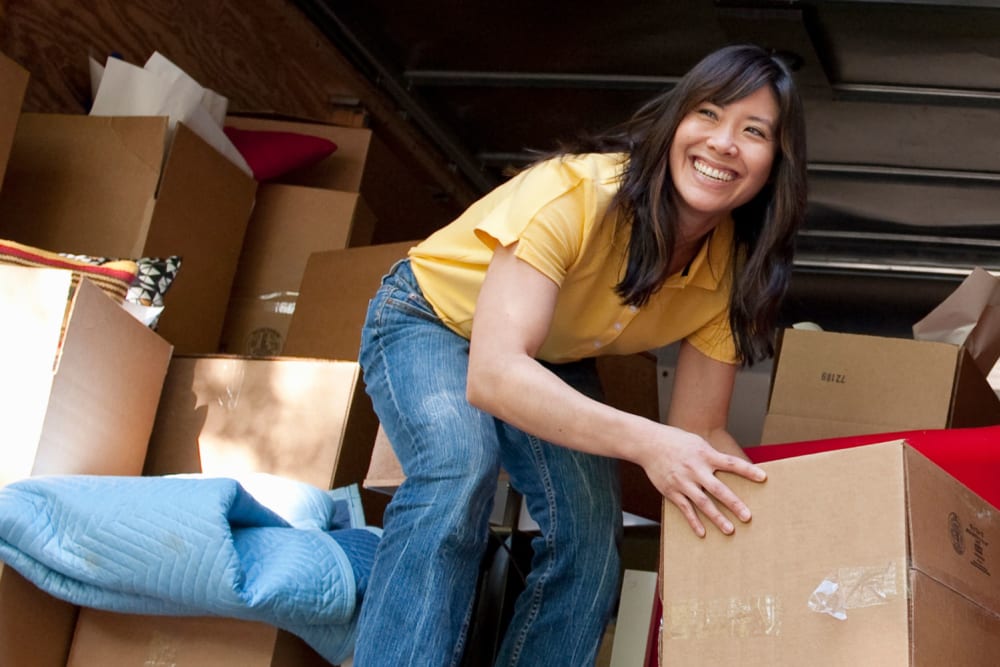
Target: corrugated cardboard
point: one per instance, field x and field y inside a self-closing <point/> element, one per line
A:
<point x="130" y="640"/>
<point x="89" y="409"/>
<point x="829" y="384"/>
<point x="288" y="224"/>
<point x="333" y="299"/>
<point x="86" y="410"/>
<point x="112" y="187"/>
<point x="13" y="83"/>
<point x="912" y="550"/>
<point x="36" y="629"/>
<point x="303" y="419"/>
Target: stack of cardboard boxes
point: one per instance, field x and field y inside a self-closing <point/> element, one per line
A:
<point x="195" y="395"/>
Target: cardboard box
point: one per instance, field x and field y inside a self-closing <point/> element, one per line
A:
<point x="13" y="83"/>
<point x="829" y="384"/>
<point x="288" y="224"/>
<point x="88" y="406"/>
<point x="304" y="419"/>
<point x="864" y="556"/>
<point x="405" y="203"/>
<point x="132" y="640"/>
<point x="333" y="299"/>
<point x="114" y="187"/>
<point x="35" y="628"/>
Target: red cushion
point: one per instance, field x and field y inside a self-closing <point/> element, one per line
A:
<point x="271" y="154"/>
<point x="971" y="455"/>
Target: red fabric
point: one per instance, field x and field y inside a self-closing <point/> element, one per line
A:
<point x="971" y="455"/>
<point x="271" y="154"/>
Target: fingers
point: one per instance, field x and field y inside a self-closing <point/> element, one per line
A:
<point x="703" y="493"/>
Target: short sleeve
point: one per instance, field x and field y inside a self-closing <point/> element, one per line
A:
<point x="715" y="339"/>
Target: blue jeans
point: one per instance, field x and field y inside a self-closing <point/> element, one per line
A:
<point x="419" y="599"/>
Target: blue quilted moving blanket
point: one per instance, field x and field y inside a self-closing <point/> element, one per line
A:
<point x="262" y="548"/>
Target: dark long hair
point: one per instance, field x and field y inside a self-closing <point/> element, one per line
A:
<point x="764" y="227"/>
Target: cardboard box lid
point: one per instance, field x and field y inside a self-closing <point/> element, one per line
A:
<point x="864" y="379"/>
<point x="13" y="84"/>
<point x="333" y="299"/>
<point x="304" y="419"/>
<point x="861" y="518"/>
<point x="89" y="409"/>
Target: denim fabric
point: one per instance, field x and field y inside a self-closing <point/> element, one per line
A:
<point x="419" y="599"/>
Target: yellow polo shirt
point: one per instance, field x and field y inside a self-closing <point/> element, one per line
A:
<point x="559" y="213"/>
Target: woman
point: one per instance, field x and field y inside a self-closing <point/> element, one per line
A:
<point x="478" y="353"/>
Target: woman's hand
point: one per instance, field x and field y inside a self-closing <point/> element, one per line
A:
<point x="682" y="466"/>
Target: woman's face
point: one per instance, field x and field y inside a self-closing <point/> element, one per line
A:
<point x="721" y="156"/>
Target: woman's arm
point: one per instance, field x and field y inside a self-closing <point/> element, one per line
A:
<point x="512" y="319"/>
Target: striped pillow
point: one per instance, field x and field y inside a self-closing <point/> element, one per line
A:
<point x="114" y="277"/>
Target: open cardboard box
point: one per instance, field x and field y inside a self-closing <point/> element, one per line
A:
<point x="85" y="407"/>
<point x="302" y="419"/>
<point x="13" y="83"/>
<point x="865" y="556"/>
<point x="288" y="224"/>
<point x="828" y="384"/>
<point x="114" y="187"/>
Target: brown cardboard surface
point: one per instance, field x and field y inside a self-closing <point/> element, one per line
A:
<point x="304" y="419"/>
<point x="288" y="224"/>
<point x="109" y="186"/>
<point x="132" y="640"/>
<point x="13" y="83"/>
<point x="333" y="299"/>
<point x="36" y="629"/>
<point x="90" y="409"/>
<point x="952" y="630"/>
<point x="849" y="384"/>
<point x="853" y="517"/>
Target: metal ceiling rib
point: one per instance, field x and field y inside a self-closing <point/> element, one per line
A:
<point x="902" y="99"/>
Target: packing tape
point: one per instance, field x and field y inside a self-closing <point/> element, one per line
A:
<point x="855" y="588"/>
<point x="752" y="616"/>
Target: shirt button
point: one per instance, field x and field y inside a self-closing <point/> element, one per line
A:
<point x="618" y="326"/>
<point x="597" y="343"/>
<point x="632" y="309"/>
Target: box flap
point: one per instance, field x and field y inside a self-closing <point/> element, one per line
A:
<point x="954" y="534"/>
<point x="789" y="428"/>
<point x="105" y="392"/>
<point x="13" y="83"/>
<point x="99" y="175"/>
<point x="835" y="518"/>
<point x="974" y="402"/>
<point x="949" y="629"/>
<point x="864" y="379"/>
<point x="333" y="299"/>
<point x="202" y="210"/>
<point x="32" y="308"/>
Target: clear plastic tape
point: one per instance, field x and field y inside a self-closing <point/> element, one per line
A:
<point x="855" y="588"/>
<point x="281" y="303"/>
<point x="229" y="376"/>
<point x="742" y="617"/>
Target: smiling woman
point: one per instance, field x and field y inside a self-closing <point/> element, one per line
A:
<point x="478" y="352"/>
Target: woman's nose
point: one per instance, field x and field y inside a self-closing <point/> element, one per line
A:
<point x="721" y="141"/>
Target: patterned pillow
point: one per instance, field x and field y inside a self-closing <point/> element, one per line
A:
<point x="154" y="276"/>
<point x="114" y="277"/>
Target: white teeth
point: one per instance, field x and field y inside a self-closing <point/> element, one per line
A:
<point x="712" y="172"/>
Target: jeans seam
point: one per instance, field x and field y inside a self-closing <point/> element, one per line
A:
<point x="550" y="541"/>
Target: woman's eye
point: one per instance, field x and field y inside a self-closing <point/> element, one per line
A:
<point x="708" y="113"/>
<point x="756" y="131"/>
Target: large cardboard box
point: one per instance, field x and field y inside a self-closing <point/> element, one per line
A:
<point x="863" y="556"/>
<point x="288" y="224"/>
<point x="304" y="419"/>
<point x="333" y="299"/>
<point x="828" y="384"/>
<point x="129" y="640"/>
<point x="13" y="83"/>
<point x="87" y="405"/>
<point x="122" y="187"/>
